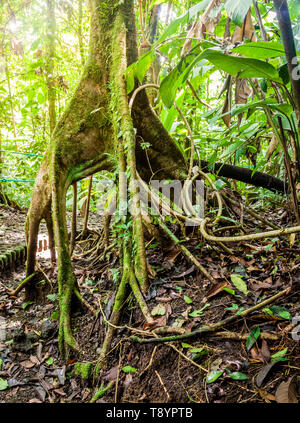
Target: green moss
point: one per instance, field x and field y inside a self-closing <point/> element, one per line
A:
<point x="83" y="369"/>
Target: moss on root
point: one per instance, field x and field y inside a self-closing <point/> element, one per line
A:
<point x="84" y="369"/>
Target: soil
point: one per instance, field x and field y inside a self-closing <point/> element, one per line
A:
<point x="31" y="370"/>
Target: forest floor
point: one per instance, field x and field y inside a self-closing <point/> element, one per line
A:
<point x="31" y="370"/>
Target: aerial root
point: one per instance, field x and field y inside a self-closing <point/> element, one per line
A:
<point x="249" y="237"/>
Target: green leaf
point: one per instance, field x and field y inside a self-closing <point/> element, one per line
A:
<point x="239" y="283"/>
<point x="238" y="376"/>
<point x="1" y="362"/>
<point x="254" y="335"/>
<point x="130" y="72"/>
<point x="261" y="50"/>
<point x="196" y="313"/>
<point x="236" y="66"/>
<point x="197" y="350"/>
<point x="40" y="98"/>
<point x="213" y="376"/>
<point x="3" y="384"/>
<point x="187" y="299"/>
<point x="285" y="315"/>
<point x="49" y="361"/>
<point x="184" y="345"/>
<point x="230" y="291"/>
<point x="159" y="310"/>
<point x="279" y="356"/>
<point x="26" y="304"/>
<point x="129" y="369"/>
<point x="54" y="315"/>
<point x="241" y="66"/>
<point x="280" y="311"/>
<point x="52" y="297"/>
<point x="143" y="64"/>
<point x="9" y="342"/>
<point x="237" y="10"/>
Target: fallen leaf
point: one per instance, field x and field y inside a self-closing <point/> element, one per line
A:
<point x="216" y="289"/>
<point x="27" y="364"/>
<point x="266" y="396"/>
<point x="286" y="392"/>
<point x="111" y="374"/>
<point x="264" y="373"/>
<point x="158" y="310"/>
<point x="265" y="350"/>
<point x="128" y="380"/>
<point x="34" y="359"/>
<point x="41" y="393"/>
<point x="60" y="392"/>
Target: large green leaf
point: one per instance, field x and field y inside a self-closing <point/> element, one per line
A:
<point x="237" y="10"/>
<point x="177" y="76"/>
<point x="252" y="338"/>
<point x="243" y="67"/>
<point x="143" y="64"/>
<point x="139" y="69"/>
<point x="239" y="283"/>
<point x="261" y="50"/>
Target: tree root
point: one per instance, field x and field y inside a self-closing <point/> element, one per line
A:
<point x="242" y="337"/>
<point x="214" y="327"/>
<point x="250" y="237"/>
<point x="80" y="298"/>
<point x="186" y="252"/>
<point x="102" y="390"/>
<point x="22" y="285"/>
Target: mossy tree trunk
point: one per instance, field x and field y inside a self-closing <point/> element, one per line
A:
<point x="85" y="139"/>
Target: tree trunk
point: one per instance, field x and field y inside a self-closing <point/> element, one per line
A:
<point x="51" y="24"/>
<point x="87" y="138"/>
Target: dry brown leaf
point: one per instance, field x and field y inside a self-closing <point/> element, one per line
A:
<point x="27" y="364"/>
<point x="128" y="380"/>
<point x="60" y="392"/>
<point x="242" y="92"/>
<point x="272" y="146"/>
<point x="256" y="354"/>
<point x="246" y="31"/>
<point x="216" y="289"/>
<point x="286" y="392"/>
<point x="264" y="373"/>
<point x="227" y="107"/>
<point x="111" y="374"/>
<point x="265" y="352"/>
<point x="206" y="24"/>
<point x="34" y="359"/>
<point x="266" y="396"/>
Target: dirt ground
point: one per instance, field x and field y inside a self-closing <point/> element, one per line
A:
<point x="31" y="370"/>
